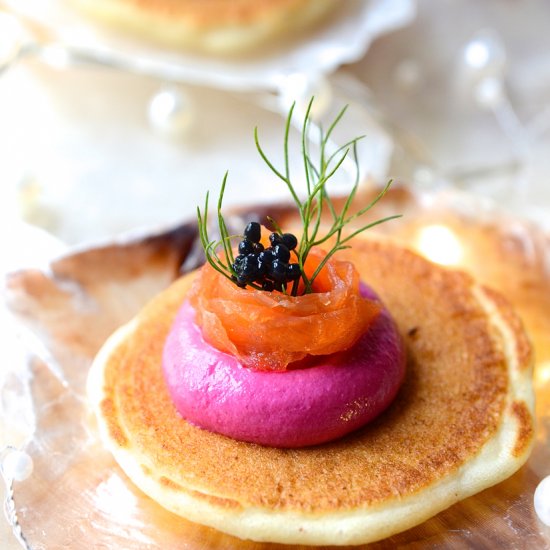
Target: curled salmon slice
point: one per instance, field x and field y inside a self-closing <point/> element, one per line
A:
<point x="269" y="331"/>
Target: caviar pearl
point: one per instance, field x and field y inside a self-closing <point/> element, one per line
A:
<point x="278" y="271"/>
<point x="268" y="285"/>
<point x="246" y="247"/>
<point x="262" y="268"/>
<point x="250" y="267"/>
<point x="253" y="232"/>
<point x="289" y="240"/>
<point x="240" y="281"/>
<point x="238" y="262"/>
<point x="281" y="252"/>
<point x="266" y="256"/>
<point x="293" y="272"/>
<point x="275" y="239"/>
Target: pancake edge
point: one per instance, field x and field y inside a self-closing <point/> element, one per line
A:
<point x="212" y="36"/>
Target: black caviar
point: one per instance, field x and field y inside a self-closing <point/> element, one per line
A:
<point x="266" y="268"/>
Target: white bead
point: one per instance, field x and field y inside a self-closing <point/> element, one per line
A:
<point x="483" y="69"/>
<point x="424" y="176"/>
<point x="542" y="500"/>
<point x="17" y="465"/>
<point x="408" y="75"/>
<point x="485" y="54"/>
<point x="170" y="112"/>
<point x="489" y="92"/>
<point x="476" y="54"/>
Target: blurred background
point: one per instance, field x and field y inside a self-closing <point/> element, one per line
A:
<point x="102" y="134"/>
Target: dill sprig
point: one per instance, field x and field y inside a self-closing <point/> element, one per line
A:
<point x="318" y="172"/>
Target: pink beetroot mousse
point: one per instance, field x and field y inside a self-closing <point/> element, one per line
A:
<point x="295" y="408"/>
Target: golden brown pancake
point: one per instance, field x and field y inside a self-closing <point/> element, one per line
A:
<point x="462" y="422"/>
<point x="216" y="26"/>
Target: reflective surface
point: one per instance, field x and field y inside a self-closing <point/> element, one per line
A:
<point x="76" y="494"/>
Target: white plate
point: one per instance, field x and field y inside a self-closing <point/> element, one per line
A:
<point x="344" y="39"/>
